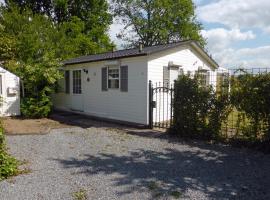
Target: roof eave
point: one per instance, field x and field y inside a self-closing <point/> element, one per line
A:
<point x="104" y="59"/>
<point x="198" y="47"/>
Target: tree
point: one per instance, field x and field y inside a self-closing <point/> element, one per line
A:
<point x="32" y="57"/>
<point x="157" y="21"/>
<point x="94" y="13"/>
<point x="33" y="46"/>
<point x="37" y="7"/>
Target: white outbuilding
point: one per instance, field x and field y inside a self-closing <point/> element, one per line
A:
<point x="115" y="85"/>
<point x="10" y="93"/>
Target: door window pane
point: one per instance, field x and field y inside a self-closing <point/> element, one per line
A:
<point x="77" y="82"/>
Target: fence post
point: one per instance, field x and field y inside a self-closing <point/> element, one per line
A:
<point x="173" y="90"/>
<point x="150" y="105"/>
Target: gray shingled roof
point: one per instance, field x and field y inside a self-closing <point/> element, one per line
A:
<point x="127" y="53"/>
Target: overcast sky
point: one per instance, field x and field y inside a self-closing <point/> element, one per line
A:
<point x="237" y="31"/>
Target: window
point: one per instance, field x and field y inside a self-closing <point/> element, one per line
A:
<point x="77" y="82"/>
<point x="203" y="77"/>
<point x="113" y="77"/>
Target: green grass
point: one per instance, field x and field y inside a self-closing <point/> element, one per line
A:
<point x="176" y="194"/>
<point x="153" y="186"/>
<point x="80" y="195"/>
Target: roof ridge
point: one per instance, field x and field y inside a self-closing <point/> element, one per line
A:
<point x="156" y="45"/>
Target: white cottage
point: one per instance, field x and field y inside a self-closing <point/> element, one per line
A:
<point x="114" y="85"/>
<point x="10" y="93"/>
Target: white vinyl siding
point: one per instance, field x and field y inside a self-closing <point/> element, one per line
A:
<point x="186" y="58"/>
<point x="125" y="104"/>
<point x="10" y="105"/>
<point x="129" y="102"/>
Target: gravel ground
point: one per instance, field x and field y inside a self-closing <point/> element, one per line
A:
<point x="108" y="163"/>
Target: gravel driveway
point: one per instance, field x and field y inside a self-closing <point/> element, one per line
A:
<point x="108" y="163"/>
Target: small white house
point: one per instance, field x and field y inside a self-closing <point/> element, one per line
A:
<point x="10" y="93"/>
<point x="114" y="85"/>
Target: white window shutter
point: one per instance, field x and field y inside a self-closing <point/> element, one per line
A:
<point x="166" y="76"/>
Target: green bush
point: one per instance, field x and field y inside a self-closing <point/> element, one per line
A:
<point x="250" y="95"/>
<point x="8" y="164"/>
<point x="198" y="111"/>
<point x="240" y="115"/>
<point x="37" y="107"/>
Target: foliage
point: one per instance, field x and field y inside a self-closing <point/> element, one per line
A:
<point x="80" y="195"/>
<point x="250" y="95"/>
<point x="243" y="109"/>
<point x="37" y="107"/>
<point x="157" y="21"/>
<point x="43" y="7"/>
<point x="8" y="164"/>
<point x="198" y="112"/>
<point x="94" y="13"/>
<point x="33" y="47"/>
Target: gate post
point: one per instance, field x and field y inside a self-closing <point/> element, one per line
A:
<point x="150" y="105"/>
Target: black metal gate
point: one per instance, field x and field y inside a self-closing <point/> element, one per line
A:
<point x="160" y="105"/>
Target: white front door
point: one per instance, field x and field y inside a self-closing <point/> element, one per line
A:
<point x="77" y="93"/>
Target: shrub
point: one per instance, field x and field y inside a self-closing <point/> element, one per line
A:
<point x="250" y="95"/>
<point x="8" y="164"/>
<point x="198" y="111"/>
<point x="36" y="107"/>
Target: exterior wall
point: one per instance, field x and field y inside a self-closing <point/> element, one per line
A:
<point x="128" y="106"/>
<point x="184" y="56"/>
<point x="10" y="105"/>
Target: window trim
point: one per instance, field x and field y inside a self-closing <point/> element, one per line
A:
<point x="119" y="77"/>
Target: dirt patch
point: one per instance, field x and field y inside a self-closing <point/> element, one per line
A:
<point x="19" y="126"/>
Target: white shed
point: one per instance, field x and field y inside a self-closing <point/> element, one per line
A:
<point x="114" y="85"/>
<point x="10" y="93"/>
